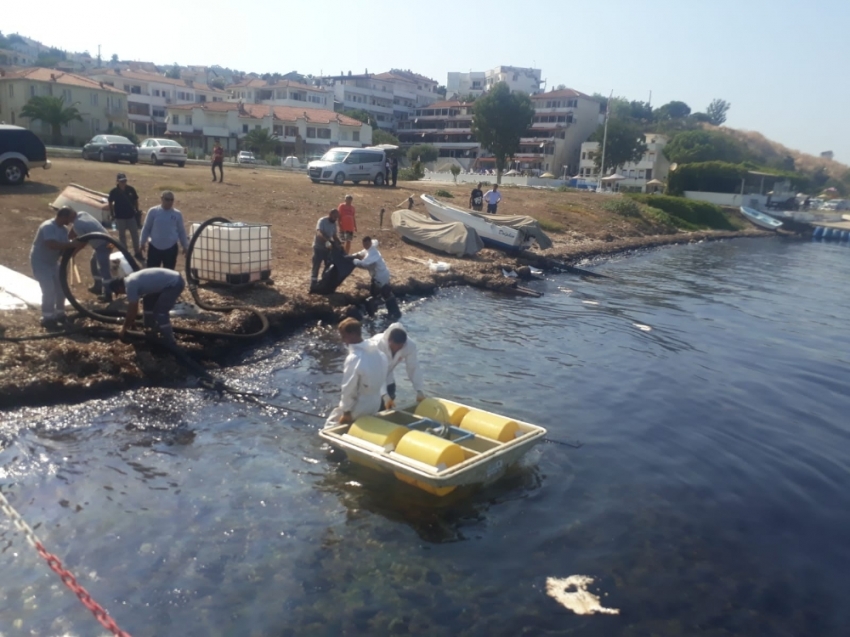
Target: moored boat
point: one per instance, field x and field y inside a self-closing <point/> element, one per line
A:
<point x="761" y="219"/>
<point x="437" y="445"/>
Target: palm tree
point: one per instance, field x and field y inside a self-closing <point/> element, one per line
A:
<point x="260" y="140"/>
<point x="51" y="110"/>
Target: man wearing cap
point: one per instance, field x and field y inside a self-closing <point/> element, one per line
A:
<point x="83" y="223"/>
<point x="124" y="209"/>
<point x="347" y="223"/>
<point x="364" y="375"/>
<point x="164" y="228"/>
<point x="159" y="289"/>
<point x="50" y="242"/>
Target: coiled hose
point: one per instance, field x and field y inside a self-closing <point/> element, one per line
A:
<point x="193" y="288"/>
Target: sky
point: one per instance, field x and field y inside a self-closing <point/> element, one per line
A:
<point x="783" y="65"/>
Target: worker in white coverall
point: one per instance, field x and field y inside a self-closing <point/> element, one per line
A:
<point x="364" y="376"/>
<point x="398" y="347"/>
<point x="371" y="260"/>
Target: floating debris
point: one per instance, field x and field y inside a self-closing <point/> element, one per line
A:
<point x="591" y="302"/>
<point x="571" y="592"/>
<point x="642" y="327"/>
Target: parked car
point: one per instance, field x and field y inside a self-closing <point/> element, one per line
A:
<point x="20" y="150"/>
<point x="291" y="162"/>
<point x="111" y="148"/>
<point x="349" y="164"/>
<point x="162" y="151"/>
<point x="246" y="157"/>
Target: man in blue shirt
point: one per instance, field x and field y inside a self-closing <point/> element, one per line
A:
<point x="164" y="228"/>
<point x="84" y="223"/>
<point x="159" y="289"/>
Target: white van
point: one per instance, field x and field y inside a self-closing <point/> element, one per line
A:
<point x="349" y="164"/>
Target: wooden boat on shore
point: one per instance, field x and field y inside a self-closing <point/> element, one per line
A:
<point x="493" y="235"/>
<point x="437" y="445"/>
<point x="761" y="219"/>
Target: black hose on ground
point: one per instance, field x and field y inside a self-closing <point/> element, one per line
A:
<point x="105" y="318"/>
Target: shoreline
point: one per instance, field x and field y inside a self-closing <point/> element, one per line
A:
<point x="76" y="371"/>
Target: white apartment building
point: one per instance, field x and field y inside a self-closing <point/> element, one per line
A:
<point x="149" y="94"/>
<point x="562" y="120"/>
<point x="446" y="125"/>
<point x="389" y="97"/>
<point x="281" y="93"/>
<point x="523" y="80"/>
<point x="303" y="132"/>
<point x="653" y="165"/>
<point x="101" y="106"/>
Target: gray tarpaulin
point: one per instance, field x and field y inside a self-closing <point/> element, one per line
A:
<point x="453" y="238"/>
<point x="528" y="225"/>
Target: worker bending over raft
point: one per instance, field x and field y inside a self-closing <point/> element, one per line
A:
<point x="397" y="346"/>
<point x="363" y="376"/>
<point x="370" y="259"/>
<point x="159" y="289"/>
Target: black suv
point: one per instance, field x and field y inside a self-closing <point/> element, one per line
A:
<point x="20" y="150"/>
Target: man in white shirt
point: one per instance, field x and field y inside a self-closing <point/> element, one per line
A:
<point x="164" y="228"/>
<point x="395" y="344"/>
<point x="363" y="376"/>
<point x="370" y="259"/>
<point x="493" y="197"/>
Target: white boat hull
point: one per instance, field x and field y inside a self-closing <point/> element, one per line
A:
<point x="82" y="199"/>
<point x="495" y="236"/>
<point x="760" y="219"/>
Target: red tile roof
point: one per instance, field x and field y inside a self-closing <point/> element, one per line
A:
<point x="566" y="92"/>
<point x="282" y="113"/>
<point x="260" y="83"/>
<point x="59" y="77"/>
<point x="146" y="76"/>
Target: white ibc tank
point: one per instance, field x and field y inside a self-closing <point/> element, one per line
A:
<point x="232" y="252"/>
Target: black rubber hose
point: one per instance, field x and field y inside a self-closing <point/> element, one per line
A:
<point x="97" y="316"/>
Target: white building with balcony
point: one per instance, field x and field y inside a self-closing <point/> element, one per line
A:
<point x="303" y="132"/>
<point x="446" y="125"/>
<point x="653" y="165"/>
<point x="101" y="106"/>
<point x="522" y="80"/>
<point x="281" y="93"/>
<point x="149" y="95"/>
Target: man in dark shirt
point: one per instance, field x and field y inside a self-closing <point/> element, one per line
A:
<point x="476" y="198"/>
<point x="124" y="209"/>
<point x="394" y="169"/>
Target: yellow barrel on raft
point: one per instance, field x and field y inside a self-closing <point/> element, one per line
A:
<point x="490" y="425"/>
<point x="379" y="432"/>
<point x="442" y="410"/>
<point x="432" y="451"/>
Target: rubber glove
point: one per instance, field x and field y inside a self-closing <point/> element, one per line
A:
<point x="420" y="396"/>
<point x="389" y="403"/>
<point x="328" y="245"/>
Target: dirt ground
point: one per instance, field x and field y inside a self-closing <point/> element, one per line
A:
<point x="64" y="368"/>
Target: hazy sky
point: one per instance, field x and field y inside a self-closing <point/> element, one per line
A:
<point x="784" y="65"/>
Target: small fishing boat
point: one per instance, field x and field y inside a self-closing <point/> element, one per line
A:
<point x="496" y="231"/>
<point x="82" y="199"/>
<point x="455" y="238"/>
<point x="437" y="445"/>
<point x="761" y="219"/>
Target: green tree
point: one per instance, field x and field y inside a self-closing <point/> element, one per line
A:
<point x="717" y="110"/>
<point x="625" y="143"/>
<point x="441" y="90"/>
<point x="218" y="83"/>
<point x="704" y="145"/>
<point x="499" y="119"/>
<point x="123" y="132"/>
<point x="114" y="58"/>
<point x="383" y="137"/>
<point x="423" y="153"/>
<point x="173" y="72"/>
<point x="52" y="111"/>
<point x="361" y="116"/>
<point x="260" y="141"/>
<point x="671" y="110"/>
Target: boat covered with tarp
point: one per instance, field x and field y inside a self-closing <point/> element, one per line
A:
<point x="453" y="238"/>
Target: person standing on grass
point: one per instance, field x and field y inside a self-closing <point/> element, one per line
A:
<point x="164" y="228"/>
<point x="394" y="169"/>
<point x="347" y="223"/>
<point x="124" y="210"/>
<point x="326" y="237"/>
<point x="218" y="160"/>
<point x="493" y="197"/>
<point x="50" y="242"/>
<point x="476" y="198"/>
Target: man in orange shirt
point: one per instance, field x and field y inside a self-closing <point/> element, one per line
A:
<point x="347" y="223"/>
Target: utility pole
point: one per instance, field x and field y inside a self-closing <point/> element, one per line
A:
<point x="604" y="141"/>
<point x="98" y="56"/>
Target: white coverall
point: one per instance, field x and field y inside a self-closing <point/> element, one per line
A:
<point x="407" y="354"/>
<point x="364" y="376"/>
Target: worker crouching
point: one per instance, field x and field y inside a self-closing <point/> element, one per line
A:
<point x="370" y="259"/>
<point x="159" y="289"/>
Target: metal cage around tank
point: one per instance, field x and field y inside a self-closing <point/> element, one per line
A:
<point x="232" y="253"/>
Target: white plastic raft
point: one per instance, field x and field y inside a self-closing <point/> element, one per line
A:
<point x="437" y="445"/>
